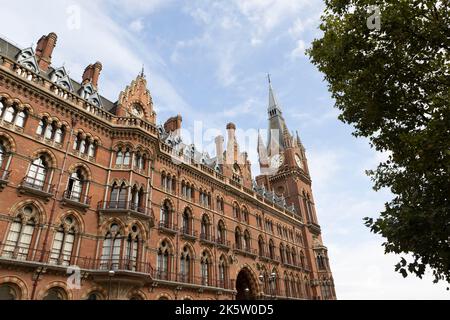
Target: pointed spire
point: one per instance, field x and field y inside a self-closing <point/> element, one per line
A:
<point x="142" y="72"/>
<point x="273" y="104"/>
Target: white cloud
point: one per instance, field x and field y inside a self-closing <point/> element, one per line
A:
<point x="137" y="25"/>
<point x="299" y="50"/>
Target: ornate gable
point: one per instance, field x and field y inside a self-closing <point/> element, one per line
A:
<point x="60" y="77"/>
<point x="27" y="58"/>
<point x="136" y="101"/>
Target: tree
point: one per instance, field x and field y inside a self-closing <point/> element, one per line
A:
<point x="392" y="84"/>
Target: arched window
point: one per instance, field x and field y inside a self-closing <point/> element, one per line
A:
<point x="140" y="161"/>
<point x="236" y="211"/>
<point x="261" y="247"/>
<point x="293" y="287"/>
<point x="20" y="119"/>
<point x="163" y="266"/>
<point x="187" y="229"/>
<point x="221" y="232"/>
<point x="302" y="259"/>
<point x="282" y="253"/>
<point x="92" y="149"/>
<point x="247" y="241"/>
<point x="219" y="204"/>
<point x="271" y="249"/>
<point x="294" y="256"/>
<point x="112" y="243"/>
<point x="119" y="157"/>
<point x="37" y="173"/>
<point x="245" y="215"/>
<point x="21" y="234"/>
<point x="131" y="249"/>
<point x="9" y="291"/>
<point x="127" y="157"/>
<point x="288" y="255"/>
<point x="223" y="273"/>
<point x="10" y="114"/>
<point x="205" y="268"/>
<point x="238" y="238"/>
<point x="185" y="265"/>
<point x="205" y="227"/>
<point x="63" y="243"/>
<point x="166" y="214"/>
<point x="287" y="285"/>
<point x="118" y="199"/>
<point x="55" y="293"/>
<point x="137" y="199"/>
<point x="77" y="186"/>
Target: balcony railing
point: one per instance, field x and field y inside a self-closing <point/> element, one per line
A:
<point x="77" y="197"/>
<point x="244" y="250"/>
<point x="192" y="280"/>
<point x="37" y="256"/>
<point x="167" y="226"/>
<point x="37" y="186"/>
<point x="123" y="206"/>
<point x="221" y="242"/>
<point x="188" y="233"/>
<point x="206" y="238"/>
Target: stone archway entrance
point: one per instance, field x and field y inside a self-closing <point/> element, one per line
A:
<point x="246" y="285"/>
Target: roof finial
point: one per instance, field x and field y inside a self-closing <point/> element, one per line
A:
<point x="268" y="77"/>
<point x="142" y="71"/>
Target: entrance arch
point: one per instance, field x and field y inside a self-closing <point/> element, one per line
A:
<point x="246" y="285"/>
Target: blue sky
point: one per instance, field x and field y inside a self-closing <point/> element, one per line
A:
<point x="208" y="60"/>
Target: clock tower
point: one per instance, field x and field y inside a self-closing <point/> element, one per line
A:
<point x="284" y="171"/>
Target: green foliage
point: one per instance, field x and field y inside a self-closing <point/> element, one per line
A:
<point x="393" y="86"/>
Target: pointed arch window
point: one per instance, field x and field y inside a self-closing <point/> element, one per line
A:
<point x="205" y="227"/>
<point x="238" y="238"/>
<point x="205" y="268"/>
<point x="110" y="257"/>
<point x="166" y="214"/>
<point x="20" y="234"/>
<point x="137" y="199"/>
<point x="37" y="173"/>
<point x="77" y="186"/>
<point x="118" y="198"/>
<point x="223" y="273"/>
<point x="186" y="221"/>
<point x="63" y="243"/>
<point x="185" y="265"/>
<point x="282" y="253"/>
<point x="131" y="250"/>
<point x="163" y="266"/>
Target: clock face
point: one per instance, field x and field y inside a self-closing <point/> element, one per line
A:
<point x="136" y="111"/>
<point x="276" y="161"/>
<point x="299" y="161"/>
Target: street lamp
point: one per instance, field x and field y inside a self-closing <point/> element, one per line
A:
<point x="111" y="274"/>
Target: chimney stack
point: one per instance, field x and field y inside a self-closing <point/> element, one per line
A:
<point x="92" y="73"/>
<point x="173" y="124"/>
<point x="44" y="50"/>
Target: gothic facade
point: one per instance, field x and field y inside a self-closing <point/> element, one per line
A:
<point x="97" y="201"/>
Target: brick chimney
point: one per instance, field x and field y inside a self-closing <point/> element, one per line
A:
<point x="92" y="73"/>
<point x="173" y="124"/>
<point x="44" y="50"/>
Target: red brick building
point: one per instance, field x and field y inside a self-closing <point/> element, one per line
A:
<point x="99" y="202"/>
